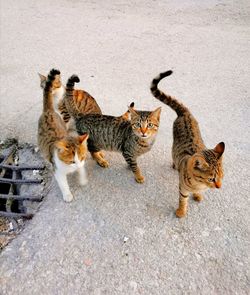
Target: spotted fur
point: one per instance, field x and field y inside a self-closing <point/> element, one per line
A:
<point x="199" y="168"/>
<point x="65" y="152"/>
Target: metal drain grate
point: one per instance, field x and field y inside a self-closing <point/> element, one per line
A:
<point x="23" y="185"/>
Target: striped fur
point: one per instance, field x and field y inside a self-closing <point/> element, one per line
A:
<point x="132" y="134"/>
<point x="47" y="93"/>
<point x="199" y="168"/>
<point x="81" y="101"/>
<point x="179" y="108"/>
<point x="66" y="153"/>
<point x="118" y="134"/>
<point x="77" y="101"/>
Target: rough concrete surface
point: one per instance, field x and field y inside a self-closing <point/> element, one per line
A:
<point x="117" y="48"/>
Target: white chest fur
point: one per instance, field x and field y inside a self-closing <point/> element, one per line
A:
<point x="58" y="96"/>
<point x="61" y="171"/>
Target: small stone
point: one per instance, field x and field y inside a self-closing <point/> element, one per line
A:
<point x="87" y="262"/>
<point x="198" y="256"/>
<point x="133" y="285"/>
<point x="205" y="234"/>
<point x="125" y="239"/>
<point x="35" y="172"/>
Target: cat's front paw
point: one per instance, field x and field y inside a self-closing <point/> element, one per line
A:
<point x="102" y="155"/>
<point x="139" y="178"/>
<point x="68" y="197"/>
<point x="180" y="213"/>
<point x="198" y="197"/>
<point x="103" y="163"/>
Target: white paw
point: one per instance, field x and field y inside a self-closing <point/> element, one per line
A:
<point x="68" y="198"/>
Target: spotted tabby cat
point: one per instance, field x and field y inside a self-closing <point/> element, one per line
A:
<point x="66" y="153"/>
<point x="132" y="137"/>
<point x="199" y="168"/>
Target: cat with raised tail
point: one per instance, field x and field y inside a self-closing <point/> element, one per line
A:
<point x="66" y="153"/>
<point x="82" y="101"/>
<point x="132" y="134"/>
<point x="199" y="167"/>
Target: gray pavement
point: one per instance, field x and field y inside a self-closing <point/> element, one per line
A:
<point x="117" y="48"/>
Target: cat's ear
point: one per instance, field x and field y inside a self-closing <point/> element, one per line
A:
<point x="42" y="80"/>
<point x="131" y="109"/>
<point x="132" y="105"/>
<point x="83" y="138"/>
<point x="200" y="163"/>
<point x="61" y="145"/>
<point x="219" y="149"/>
<point x="127" y="115"/>
<point x="157" y="113"/>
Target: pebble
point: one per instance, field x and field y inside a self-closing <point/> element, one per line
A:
<point x="133" y="285"/>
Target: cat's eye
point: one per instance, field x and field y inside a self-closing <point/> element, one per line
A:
<point x="137" y="125"/>
<point x="211" y="179"/>
<point x="150" y="125"/>
<point x="73" y="162"/>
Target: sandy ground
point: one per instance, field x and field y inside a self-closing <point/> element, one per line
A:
<point x="117" y="48"/>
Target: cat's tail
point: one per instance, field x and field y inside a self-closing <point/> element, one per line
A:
<point x="69" y="96"/>
<point x="47" y="92"/>
<point x="169" y="100"/>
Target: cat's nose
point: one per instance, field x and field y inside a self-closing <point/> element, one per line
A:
<point x="218" y="184"/>
<point x="143" y="131"/>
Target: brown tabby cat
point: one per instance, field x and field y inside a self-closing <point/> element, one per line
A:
<point x="66" y="153"/>
<point x="199" y="168"/>
<point x="131" y="138"/>
<point x="82" y="101"/>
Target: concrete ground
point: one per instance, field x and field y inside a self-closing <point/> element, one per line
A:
<point x="117" y="48"/>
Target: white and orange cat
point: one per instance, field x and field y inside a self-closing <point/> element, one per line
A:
<point x="66" y="152"/>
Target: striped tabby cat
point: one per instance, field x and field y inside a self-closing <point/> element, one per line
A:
<point x="199" y="168"/>
<point x="66" y="153"/>
<point x="82" y="101"/>
<point x="132" y="137"/>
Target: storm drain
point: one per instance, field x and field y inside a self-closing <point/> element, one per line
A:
<point x="23" y="185"/>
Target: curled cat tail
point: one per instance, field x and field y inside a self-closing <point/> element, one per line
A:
<point x="70" y="103"/>
<point x="165" y="98"/>
<point x="47" y="92"/>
